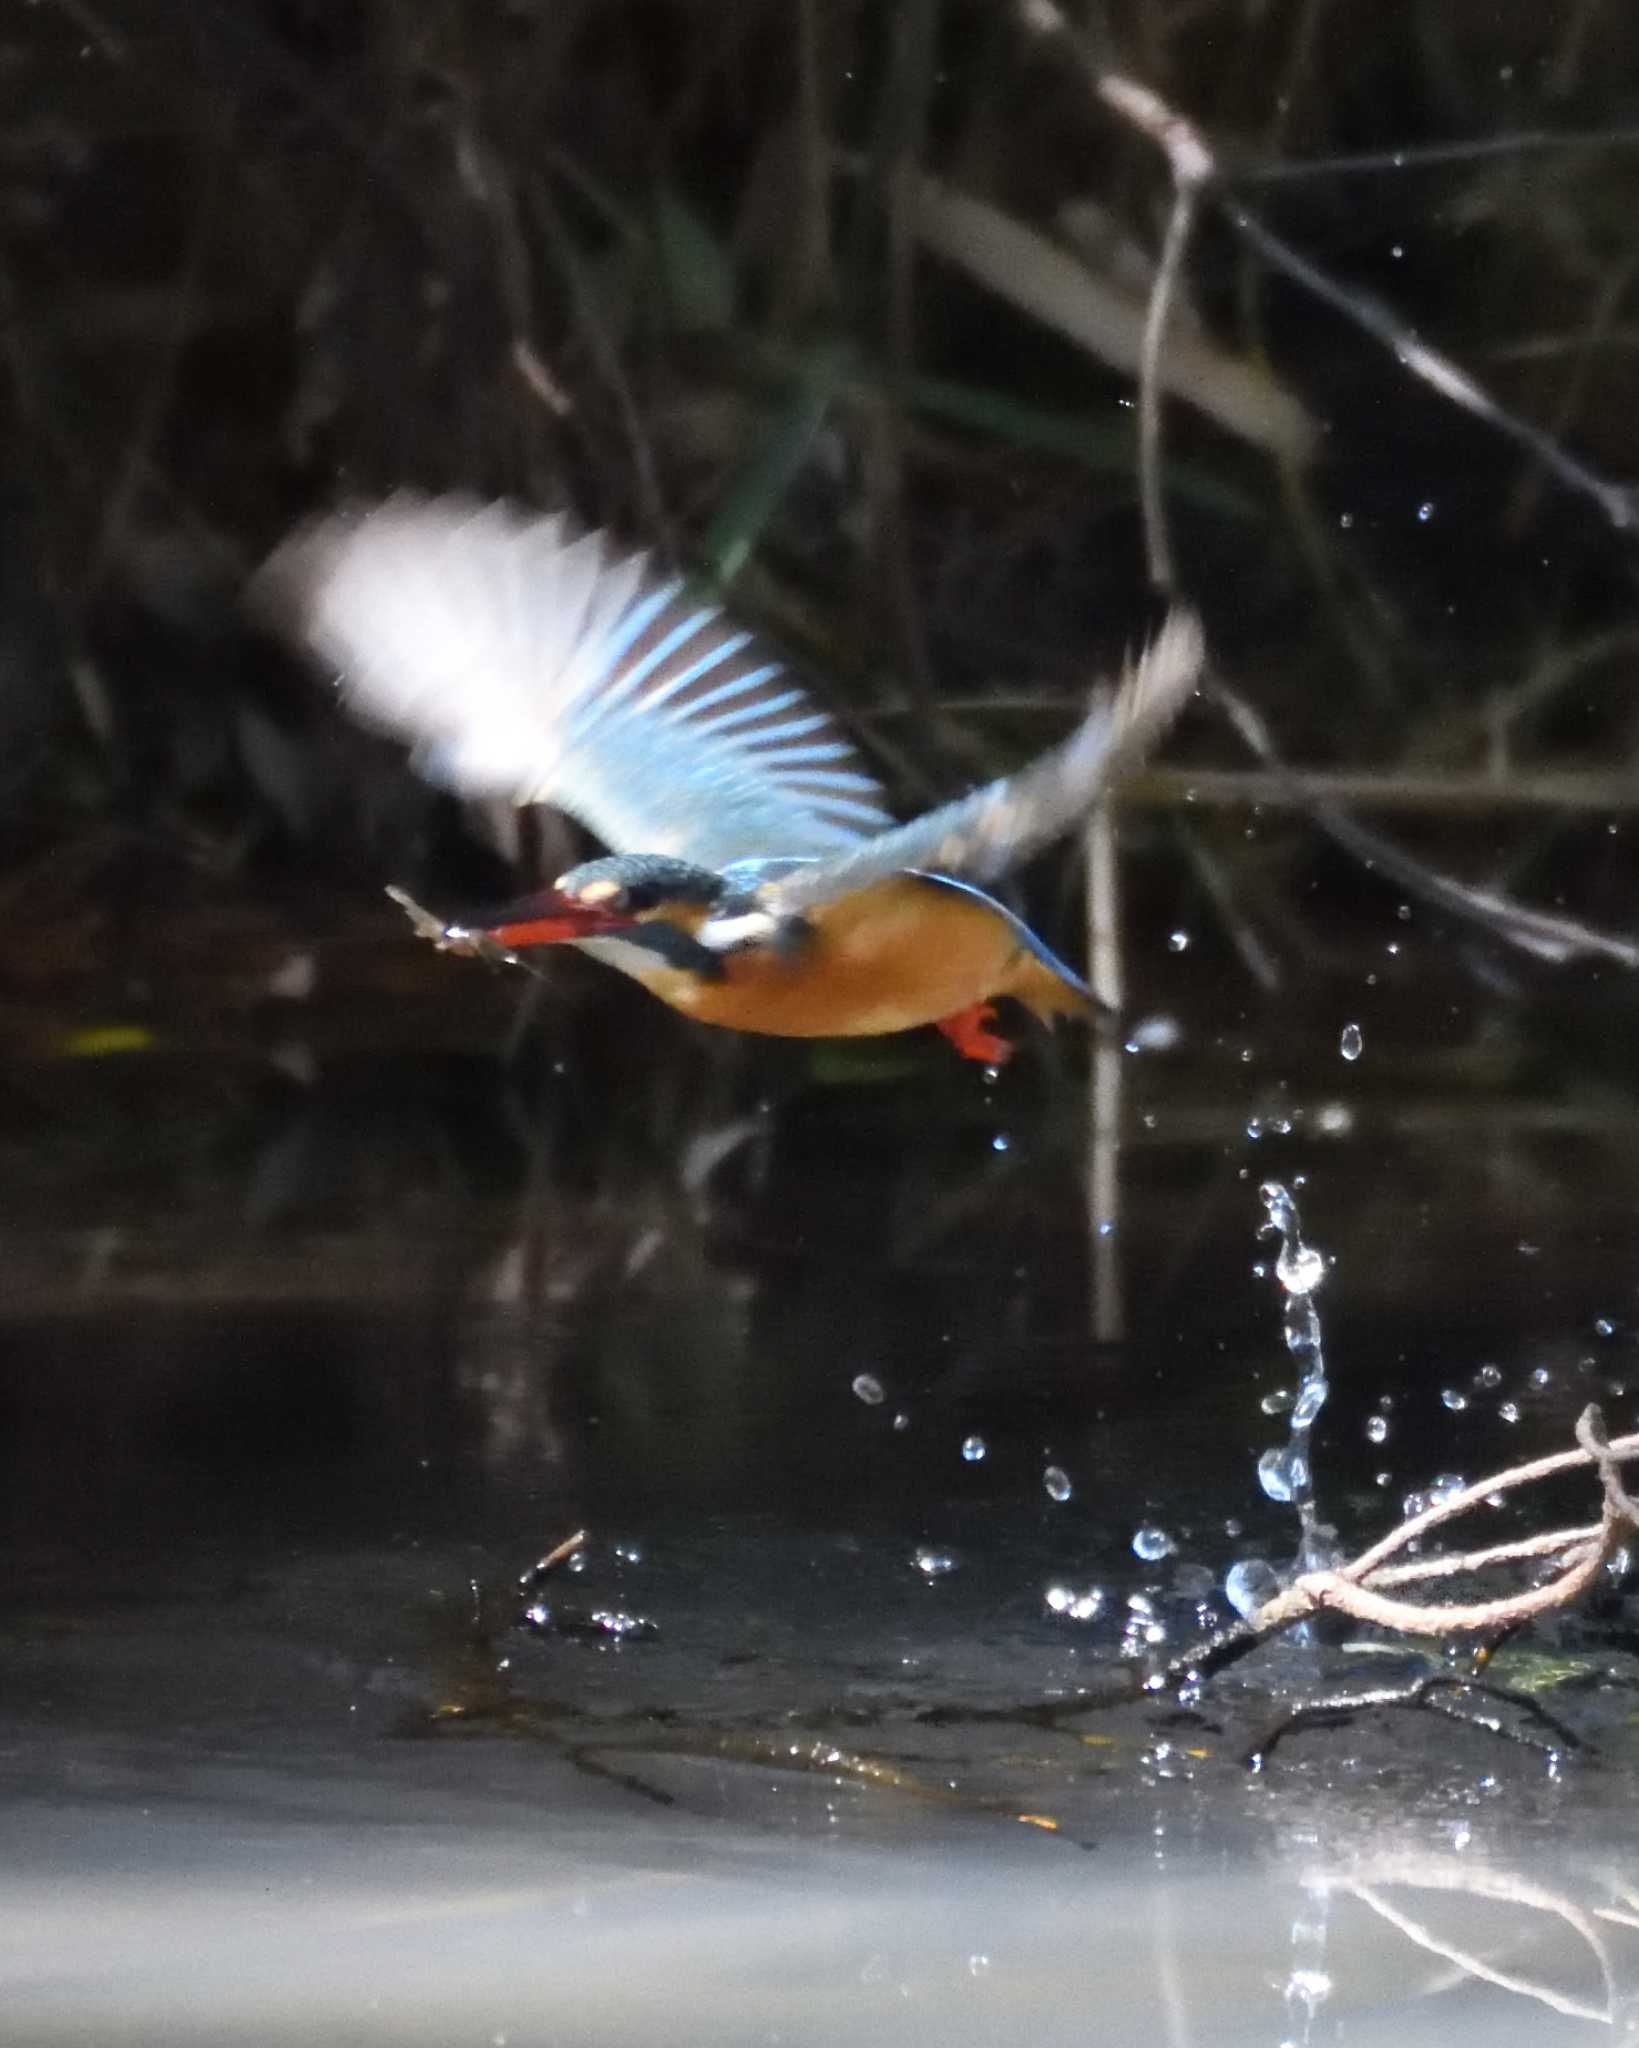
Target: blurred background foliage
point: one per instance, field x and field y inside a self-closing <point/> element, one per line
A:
<point x="828" y="297"/>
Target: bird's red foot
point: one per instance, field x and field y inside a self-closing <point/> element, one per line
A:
<point x="966" y="1031"/>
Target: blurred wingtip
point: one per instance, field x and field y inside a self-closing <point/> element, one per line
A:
<point x="283" y="594"/>
<point x="287" y="591"/>
<point x="1162" y="680"/>
<point x="1172" y="664"/>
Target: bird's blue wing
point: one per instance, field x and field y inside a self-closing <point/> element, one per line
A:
<point x="526" y="663"/>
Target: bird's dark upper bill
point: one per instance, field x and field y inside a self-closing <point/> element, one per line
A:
<point x="549" y="919"/>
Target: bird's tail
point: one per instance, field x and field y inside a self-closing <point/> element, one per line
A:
<point x="1049" y="995"/>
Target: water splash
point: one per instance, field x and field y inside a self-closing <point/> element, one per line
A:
<point x="1285" y="1473"/>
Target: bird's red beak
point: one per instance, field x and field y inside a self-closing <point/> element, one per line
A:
<point x="549" y="919"/>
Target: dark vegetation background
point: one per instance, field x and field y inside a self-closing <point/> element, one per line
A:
<point x="668" y="262"/>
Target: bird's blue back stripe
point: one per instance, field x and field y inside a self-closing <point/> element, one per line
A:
<point x="721" y="651"/>
<point x="666" y="646"/>
<point x="1021" y="931"/>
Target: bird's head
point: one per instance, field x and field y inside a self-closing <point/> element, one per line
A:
<point x="634" y="887"/>
<point x="605" y="898"/>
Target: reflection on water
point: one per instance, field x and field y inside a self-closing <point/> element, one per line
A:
<point x="304" y="1368"/>
<point x="373" y="1899"/>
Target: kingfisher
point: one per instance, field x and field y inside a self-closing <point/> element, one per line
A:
<point x="756" y="878"/>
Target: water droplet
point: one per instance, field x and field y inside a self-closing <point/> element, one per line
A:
<point x="1452" y="1399"/>
<point x="1444" y="1485"/>
<point x="1300" y="1268"/>
<point x="1301" y="1327"/>
<point x="1178" y="942"/>
<point x="1425" y="513"/>
<point x="1345" y="520"/>
<point x="934" y="1564"/>
<point x="1001" y="1142"/>
<point x="1352" y="1043"/>
<point x="1509" y="1411"/>
<point x="901" y="1420"/>
<point x="977" y="1965"/>
<point x="1278" y="1402"/>
<point x="973" y="1448"/>
<point x="1249" y="1585"/>
<point x="1604" y="1327"/>
<point x="868" y="1388"/>
<point x="1283" y="1215"/>
<point x="1283" y="1474"/>
<point x="1155" y="1034"/>
<point x="1309" y="1402"/>
<point x="1542" y="1377"/>
<point x="1057" y="1482"/>
<point x="1377" y="1429"/>
<point x="1152" y="1544"/>
<point x="1488" y="1377"/>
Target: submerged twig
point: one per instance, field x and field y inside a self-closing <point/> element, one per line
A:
<point x="1354" y="1589"/>
<point x="1360" y="1589"/>
<point x="1421" y="1693"/>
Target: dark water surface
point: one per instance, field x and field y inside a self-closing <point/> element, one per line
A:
<point x="309" y="1354"/>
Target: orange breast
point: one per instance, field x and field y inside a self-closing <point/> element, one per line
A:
<point x="902" y="953"/>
